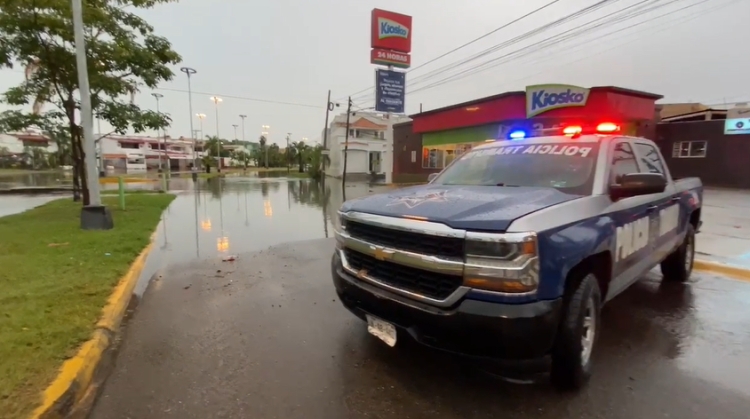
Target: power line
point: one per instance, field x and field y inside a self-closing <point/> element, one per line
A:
<point x="275" y="102"/>
<point x="468" y="43"/>
<point x="677" y="22"/>
<point x="548" y="42"/>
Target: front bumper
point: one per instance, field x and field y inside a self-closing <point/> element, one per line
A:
<point x="519" y="337"/>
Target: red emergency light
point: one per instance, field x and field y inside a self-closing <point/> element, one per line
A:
<point x="601" y="128"/>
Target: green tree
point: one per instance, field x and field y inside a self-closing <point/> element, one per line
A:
<point x="243" y="157"/>
<point x="300" y="150"/>
<point x="123" y="55"/>
<point x="317" y="159"/>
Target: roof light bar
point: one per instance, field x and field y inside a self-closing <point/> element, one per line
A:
<point x="572" y="130"/>
<point x="607" y="127"/>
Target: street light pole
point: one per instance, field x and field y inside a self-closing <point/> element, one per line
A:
<point x="243" y="127"/>
<point x="158" y="96"/>
<point x="94" y="216"/>
<point x="216" y="100"/>
<point x="189" y="71"/>
<point x="235" y="126"/>
<point x="201" y="117"/>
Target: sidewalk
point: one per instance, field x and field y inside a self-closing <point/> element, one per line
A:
<point x="725" y="234"/>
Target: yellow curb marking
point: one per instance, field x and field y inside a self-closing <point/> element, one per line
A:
<point x="82" y="366"/>
<point x="720" y="268"/>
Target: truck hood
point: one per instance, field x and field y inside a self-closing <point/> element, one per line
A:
<point x="463" y="207"/>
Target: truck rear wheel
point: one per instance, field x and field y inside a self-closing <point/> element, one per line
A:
<point x="571" y="356"/>
<point x="678" y="266"/>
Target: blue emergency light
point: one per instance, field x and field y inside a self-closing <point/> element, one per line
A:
<point x="517" y="135"/>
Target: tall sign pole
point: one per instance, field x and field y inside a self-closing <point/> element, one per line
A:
<point x="94" y="216"/>
<point x="390" y="43"/>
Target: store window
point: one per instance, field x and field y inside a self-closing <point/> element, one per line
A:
<point x="440" y="156"/>
<point x="689" y="149"/>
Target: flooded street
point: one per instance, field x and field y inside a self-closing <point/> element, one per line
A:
<point x="264" y="336"/>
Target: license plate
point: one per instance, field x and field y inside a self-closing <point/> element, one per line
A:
<point x="382" y="330"/>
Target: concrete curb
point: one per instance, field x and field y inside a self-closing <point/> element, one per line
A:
<point x="76" y="385"/>
<point x="723" y="269"/>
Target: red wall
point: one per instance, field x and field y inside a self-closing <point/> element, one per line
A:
<point x="604" y="103"/>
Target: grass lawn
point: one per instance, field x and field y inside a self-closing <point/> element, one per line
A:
<point x="132" y="192"/>
<point x="6" y="171"/>
<point x="55" y="280"/>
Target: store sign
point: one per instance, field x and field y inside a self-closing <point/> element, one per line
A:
<point x="390" y="31"/>
<point x="737" y="126"/>
<point x="390" y="58"/>
<point x="545" y="97"/>
<point x="390" y="91"/>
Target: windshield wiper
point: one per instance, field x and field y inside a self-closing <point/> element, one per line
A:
<point x="510" y="186"/>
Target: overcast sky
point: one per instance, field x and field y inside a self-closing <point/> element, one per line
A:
<point x="295" y="50"/>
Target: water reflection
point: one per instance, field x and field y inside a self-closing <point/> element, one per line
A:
<point x="219" y="217"/>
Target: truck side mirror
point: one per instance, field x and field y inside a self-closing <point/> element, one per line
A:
<point x="432" y="177"/>
<point x="635" y="184"/>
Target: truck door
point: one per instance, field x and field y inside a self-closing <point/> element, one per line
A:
<point x="665" y="216"/>
<point x="631" y="217"/>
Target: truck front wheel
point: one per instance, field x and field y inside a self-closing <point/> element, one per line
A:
<point x="571" y="356"/>
<point x="678" y="265"/>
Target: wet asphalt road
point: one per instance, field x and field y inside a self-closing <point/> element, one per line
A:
<point x="265" y="337"/>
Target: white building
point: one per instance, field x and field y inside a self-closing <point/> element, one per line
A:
<point x="18" y="143"/>
<point x="174" y="153"/>
<point x="370" y="148"/>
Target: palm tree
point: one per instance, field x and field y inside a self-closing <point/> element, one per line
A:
<point x="262" y="149"/>
<point x="300" y="147"/>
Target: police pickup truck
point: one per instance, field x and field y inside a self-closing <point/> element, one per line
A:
<point x="510" y="252"/>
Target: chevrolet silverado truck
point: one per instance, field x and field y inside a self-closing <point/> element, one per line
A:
<point x="510" y="252"/>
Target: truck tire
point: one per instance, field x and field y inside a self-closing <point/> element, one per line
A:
<point x="579" y="329"/>
<point x="678" y="266"/>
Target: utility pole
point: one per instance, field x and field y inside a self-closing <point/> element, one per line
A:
<point x="288" y="135"/>
<point x="330" y="106"/>
<point x="94" y="216"/>
<point x="346" y="144"/>
<point x="188" y="72"/>
<point x="158" y="96"/>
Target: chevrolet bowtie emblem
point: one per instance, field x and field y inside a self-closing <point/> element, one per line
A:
<point x="381" y="253"/>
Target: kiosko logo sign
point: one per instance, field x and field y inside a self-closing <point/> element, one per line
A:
<point x="545" y="97"/>
<point x="390" y="31"/>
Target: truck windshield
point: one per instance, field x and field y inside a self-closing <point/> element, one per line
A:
<point x="568" y="167"/>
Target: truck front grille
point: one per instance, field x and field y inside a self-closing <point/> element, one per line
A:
<point x="447" y="247"/>
<point x="429" y="284"/>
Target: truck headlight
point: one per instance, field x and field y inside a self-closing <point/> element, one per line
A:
<point x="339" y="226"/>
<point x="506" y="262"/>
